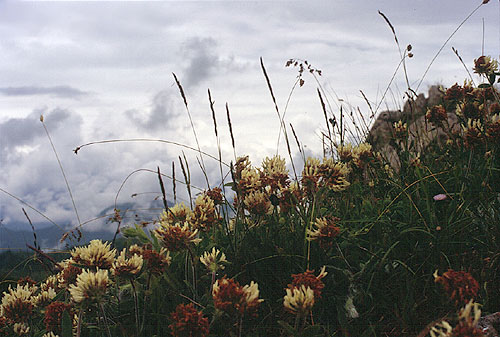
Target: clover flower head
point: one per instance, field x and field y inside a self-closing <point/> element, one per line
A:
<point x="44" y="297"/>
<point x="53" y="316"/>
<point x="90" y="287"/>
<point x="362" y="154"/>
<point x="213" y="260"/>
<point x="68" y="273"/>
<point x="473" y="133"/>
<point x="230" y="297"/>
<point x="258" y="203"/>
<point x="299" y="300"/>
<point x="123" y="267"/>
<point x="324" y="232"/>
<point x="274" y="173"/>
<point x="344" y="152"/>
<point x="334" y="174"/>
<point x="485" y="65"/>
<point x="188" y="322"/>
<point x="97" y="254"/>
<point x="309" y="280"/>
<point x="178" y="213"/>
<point x="400" y="129"/>
<point x="17" y="304"/>
<point x="460" y="286"/>
<point x="176" y="237"/>
<point x="205" y="215"/>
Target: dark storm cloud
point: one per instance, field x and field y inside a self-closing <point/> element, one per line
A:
<point x="63" y="91"/>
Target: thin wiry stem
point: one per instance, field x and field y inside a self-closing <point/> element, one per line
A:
<point x="62" y="170"/>
<point x="444" y="44"/>
<point x="78" y="148"/>
<point x="30" y="206"/>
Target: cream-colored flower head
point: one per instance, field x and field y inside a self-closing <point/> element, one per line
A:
<point x="204" y="215"/>
<point x="176" y="237"/>
<point x="344" y="152"/>
<point x="44" y="297"/>
<point x="50" y="282"/>
<point x="96" y="254"/>
<point x="214" y="260"/>
<point x="252" y="293"/>
<point x="250" y="180"/>
<point x="334" y="174"/>
<point x="179" y="213"/>
<point x="21" y="329"/>
<point x="123" y="267"/>
<point x="90" y="287"/>
<point x="361" y="154"/>
<point x="274" y="166"/>
<point x="311" y="167"/>
<point x="299" y="300"/>
<point x="17" y="303"/>
<point x="258" y="203"/>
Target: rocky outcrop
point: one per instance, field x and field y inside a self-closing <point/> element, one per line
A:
<point x="420" y="132"/>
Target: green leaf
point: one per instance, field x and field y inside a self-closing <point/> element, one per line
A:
<point x="484" y="85"/>
<point x="137" y="232"/>
<point x="66" y="325"/>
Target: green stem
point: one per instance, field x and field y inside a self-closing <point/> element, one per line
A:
<point x="136" y="306"/>
<point x="105" y="320"/>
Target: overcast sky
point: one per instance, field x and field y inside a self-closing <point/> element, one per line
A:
<point x="100" y="71"/>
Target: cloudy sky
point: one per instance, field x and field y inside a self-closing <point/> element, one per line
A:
<point x="103" y="70"/>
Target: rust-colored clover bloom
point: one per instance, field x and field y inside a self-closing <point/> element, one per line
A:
<point x="156" y="262"/>
<point x="467" y="321"/>
<point x="493" y="128"/>
<point x="188" y="322"/>
<point x="176" y="237"/>
<point x="460" y="286"/>
<point x="473" y="133"/>
<point x="216" y="195"/>
<point x="68" y="274"/>
<point x="53" y="316"/>
<point x="324" y="232"/>
<point x="309" y="280"/>
<point x="17" y="304"/>
<point x="485" y="65"/>
<point x="97" y="254"/>
<point x="436" y="115"/>
<point x="234" y="299"/>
